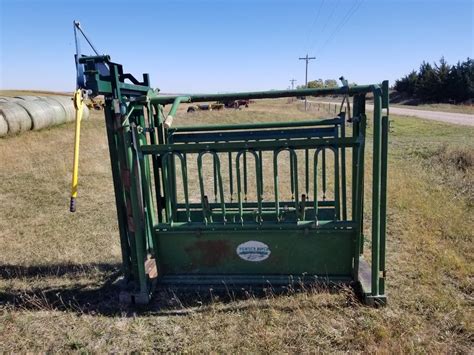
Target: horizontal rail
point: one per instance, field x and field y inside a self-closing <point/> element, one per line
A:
<point x="197" y="226"/>
<point x="201" y="128"/>
<point x="321" y="132"/>
<point x="273" y="94"/>
<point x="263" y="146"/>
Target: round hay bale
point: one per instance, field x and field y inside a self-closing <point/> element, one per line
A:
<point x="42" y="115"/>
<point x="59" y="111"/>
<point x="68" y="105"/>
<point x="27" y="97"/>
<point x="3" y="126"/>
<point x="85" y="112"/>
<point x="9" y="99"/>
<point x="16" y="116"/>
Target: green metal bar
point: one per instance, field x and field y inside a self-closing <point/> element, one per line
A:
<point x="129" y="171"/>
<point x="315" y="183"/>
<point x="113" y="143"/>
<point x="251" y="205"/>
<point x="214" y="170"/>
<point x="324" y="173"/>
<point x="244" y="126"/>
<point x="239" y="184"/>
<point x="245" y="177"/>
<point x="201" y="184"/>
<point x="383" y="200"/>
<point x="306" y="171"/>
<point x="175" y="105"/>
<point x="222" y="147"/>
<point x="343" y="172"/>
<point x="294" y="182"/>
<point x="337" y="187"/>
<point x="376" y="192"/>
<point x="231" y="177"/>
<point x="268" y="94"/>
<point x="356" y="188"/>
<point x="335" y="226"/>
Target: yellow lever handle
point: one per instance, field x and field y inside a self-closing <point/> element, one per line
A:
<point x="78" y="105"/>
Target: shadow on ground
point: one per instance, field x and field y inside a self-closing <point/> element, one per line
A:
<point x="98" y="295"/>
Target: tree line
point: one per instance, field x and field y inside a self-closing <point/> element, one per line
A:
<point x="439" y="82"/>
<point x="319" y="84"/>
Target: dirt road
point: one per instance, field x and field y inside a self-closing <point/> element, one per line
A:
<point x="449" y="117"/>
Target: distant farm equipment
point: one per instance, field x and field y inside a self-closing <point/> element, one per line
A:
<point x="236" y="103"/>
<point x="206" y="107"/>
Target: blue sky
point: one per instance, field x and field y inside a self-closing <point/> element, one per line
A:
<point x="212" y="46"/>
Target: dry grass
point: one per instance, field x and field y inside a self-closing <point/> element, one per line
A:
<point x="57" y="269"/>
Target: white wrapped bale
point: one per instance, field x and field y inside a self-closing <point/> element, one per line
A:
<point x="59" y="111"/>
<point x="16" y="117"/>
<point x="9" y="99"/>
<point x="42" y="115"/>
<point x="68" y="105"/>
<point x="27" y="97"/>
<point x="3" y="126"/>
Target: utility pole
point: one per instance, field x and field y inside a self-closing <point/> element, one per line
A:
<point x="292" y="83"/>
<point x="307" y="59"/>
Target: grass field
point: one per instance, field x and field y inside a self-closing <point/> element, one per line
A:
<point x="57" y="269"/>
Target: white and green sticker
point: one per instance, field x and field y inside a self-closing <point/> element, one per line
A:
<point x="253" y="251"/>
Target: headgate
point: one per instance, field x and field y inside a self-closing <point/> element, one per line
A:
<point x="258" y="204"/>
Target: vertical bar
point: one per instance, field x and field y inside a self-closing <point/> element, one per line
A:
<point x="157" y="138"/>
<point x="245" y="177"/>
<point x="337" y="199"/>
<point x="275" y="181"/>
<point x="315" y="184"/>
<point x="343" y="170"/>
<point x="324" y="173"/>
<point x="356" y="186"/>
<point x="114" y="147"/>
<point x="355" y="133"/>
<point x="231" y="177"/>
<point x="383" y="199"/>
<point x="214" y="170"/>
<point x="376" y="189"/>
<point x="260" y="157"/>
<point x="306" y="160"/>
<point x="361" y="202"/>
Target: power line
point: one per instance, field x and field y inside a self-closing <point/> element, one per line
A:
<point x="328" y="19"/>
<point x="292" y="83"/>
<point x="307" y="59"/>
<point x="342" y="23"/>
<point x="311" y="28"/>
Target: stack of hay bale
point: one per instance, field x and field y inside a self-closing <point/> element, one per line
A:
<point x="23" y="113"/>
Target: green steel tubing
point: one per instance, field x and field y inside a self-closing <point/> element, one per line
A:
<point x="376" y="192"/>
<point x="293" y="173"/>
<point x="231" y="177"/>
<point x="208" y="218"/>
<point x="168" y="186"/>
<point x="383" y="200"/>
<point x="242" y="126"/>
<point x="273" y="94"/>
<point x="258" y="181"/>
<point x="176" y="103"/>
<point x="306" y="171"/>
<point x="118" y="192"/>
<point x="343" y="172"/>
<point x="323" y="171"/>
<point x="224" y="147"/>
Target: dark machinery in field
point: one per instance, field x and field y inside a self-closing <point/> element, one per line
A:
<point x="224" y="235"/>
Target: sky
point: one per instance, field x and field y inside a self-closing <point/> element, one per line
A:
<point x="220" y="46"/>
